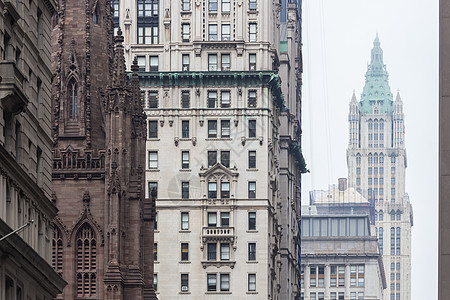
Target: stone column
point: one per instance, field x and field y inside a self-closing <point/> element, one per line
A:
<point x="347" y="282"/>
<point x="327" y="281"/>
<point x="307" y="279"/>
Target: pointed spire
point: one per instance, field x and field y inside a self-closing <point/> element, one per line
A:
<point x="398" y="98"/>
<point x="119" y="74"/>
<point x="135" y="87"/>
<point x="376" y="42"/>
<point x="354" y="97"/>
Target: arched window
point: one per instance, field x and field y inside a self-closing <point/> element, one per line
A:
<point x="95" y="15"/>
<point x="73" y="99"/>
<point x="86" y="262"/>
<point x="57" y="251"/>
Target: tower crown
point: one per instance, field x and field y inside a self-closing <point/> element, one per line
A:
<point x="376" y="96"/>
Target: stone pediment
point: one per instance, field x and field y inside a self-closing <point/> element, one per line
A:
<point x="217" y="169"/>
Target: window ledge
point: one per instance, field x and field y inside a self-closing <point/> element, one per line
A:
<point x="252" y="170"/>
<point x="184" y="231"/>
<point x="252" y="231"/>
<point x="186" y="12"/>
<point x="153" y="170"/>
<point x="184" y="293"/>
<point x="252" y="261"/>
<point x="252" y="293"/>
<point x="153" y="139"/>
<point x="156" y="231"/>
<point x="218" y="139"/>
<point x="185" y="170"/>
<point x="184" y="262"/>
<point x="217" y="293"/>
<point x="156" y="262"/>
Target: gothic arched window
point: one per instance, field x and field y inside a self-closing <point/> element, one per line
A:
<point x="86" y="262"/>
<point x="73" y="99"/>
<point x="57" y="251"/>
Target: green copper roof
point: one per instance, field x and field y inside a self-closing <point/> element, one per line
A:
<point x="376" y="89"/>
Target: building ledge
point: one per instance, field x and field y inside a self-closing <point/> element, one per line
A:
<point x="11" y="87"/>
<point x="218" y="264"/>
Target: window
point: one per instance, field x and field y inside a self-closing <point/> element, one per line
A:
<point x="153" y="160"/>
<point x="141" y="63"/>
<point x="212" y="190"/>
<point x="186" y="5"/>
<point x="185" y="129"/>
<point x="252" y="220"/>
<point x="212" y="30"/>
<point x="251" y="251"/>
<point x="321" y="276"/>
<point x="226" y="33"/>
<point x="213" y="5"/>
<point x="251" y="159"/>
<point x="370" y="171"/>
<point x="392" y="191"/>
<point x="155" y="282"/>
<point x="212" y="251"/>
<point x="153" y="63"/>
<point x="185" y="32"/>
<point x="156" y="222"/>
<point x="224" y="282"/>
<point x="381" y="216"/>
<point x="225" y="61"/>
<point x="185" y="62"/>
<point x="86" y="261"/>
<point x="225" y="219"/>
<point x="153" y="100"/>
<point x="252" y="128"/>
<point x="152" y="129"/>
<point x="212" y="128"/>
<point x="155" y="251"/>
<point x="381" y="170"/>
<point x="225" y="129"/>
<point x="184" y="251"/>
<point x="212" y="99"/>
<point x="252" y="99"/>
<point x="392" y="170"/>
<point x="353" y="295"/>
<point x="381" y="191"/>
<point x="151" y="186"/>
<point x="341" y="295"/>
<point x="341" y="271"/>
<point x="226" y="6"/>
<point x="115" y="6"/>
<point x="333" y="276"/>
<point x="333" y="296"/>
<point x="212" y="279"/>
<point x="370" y="181"/>
<point x="358" y="181"/>
<point x="224" y="251"/>
<point x="399" y="216"/>
<point x="392" y="266"/>
<point x="184" y="221"/>
<point x="252" y="189"/>
<point x="147" y="34"/>
<point x="252" y="32"/>
<point x="185" y="190"/>
<point x="185" y="159"/>
<point x="393" y="159"/>
<point x="358" y="170"/>
<point x="73" y="99"/>
<point x="212" y="158"/>
<point x="225" y="158"/>
<point x="225" y="99"/>
<point x="252" y="4"/>
<point x="251" y="282"/>
<point x="361" y="275"/>
<point x="252" y="61"/>
<point x="212" y="62"/>
<point x="225" y="190"/>
<point x="184" y="282"/>
<point x="398" y="266"/>
<point x="147" y="8"/>
<point x="57" y="251"/>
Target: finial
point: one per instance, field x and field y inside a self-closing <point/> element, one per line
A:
<point x="398" y="98"/>
<point x="119" y="37"/>
<point x="377" y="40"/>
<point x="354" y="96"/>
<point x="134" y="66"/>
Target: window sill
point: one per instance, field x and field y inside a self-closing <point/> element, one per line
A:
<point x="186" y="12"/>
<point x="217" y="293"/>
<point x="252" y="261"/>
<point x="153" y="170"/>
<point x="184" y="231"/>
<point x="156" y="231"/>
<point x="252" y="231"/>
<point x="252" y="293"/>
<point x="156" y="262"/>
<point x="153" y="139"/>
<point x="218" y="139"/>
<point x="252" y="170"/>
<point x="184" y="293"/>
<point x="184" y="262"/>
<point x="185" y="170"/>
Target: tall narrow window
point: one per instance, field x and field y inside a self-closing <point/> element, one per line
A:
<point x="225" y="158"/>
<point x="212" y="279"/>
<point x="184" y="251"/>
<point x="252" y="4"/>
<point x="212" y="99"/>
<point x="251" y="98"/>
<point x="152" y="99"/>
<point x="184" y="282"/>
<point x="186" y="5"/>
<point x="152" y="129"/>
<point x="186" y="32"/>
<point x="185" y="159"/>
<point x="251" y="251"/>
<point x="226" y="6"/>
<point x="212" y="190"/>
<point x="154" y="63"/>
<point x="185" y="190"/>
<point x="224" y="218"/>
<point x="226" y="31"/>
<point x="225" y="128"/>
<point x="213" y="5"/>
<point x="212" y="158"/>
<point x="212" y="62"/>
<point x="224" y="282"/>
<point x="57" y="251"/>
<point x="251" y="159"/>
<point x="252" y="128"/>
<point x="185" y="99"/>
<point x="225" y="100"/>
<point x="212" y="128"/>
<point x="212" y="251"/>
<point x="252" y="189"/>
<point x="141" y="63"/>
<point x="225" y="62"/>
<point x="212" y="32"/>
<point x="185" y="62"/>
<point x="224" y="251"/>
<point x="212" y="219"/>
<point x="184" y="221"/>
<point x="153" y="159"/>
<point x="252" y="282"/>
<point x="225" y="191"/>
<point x="252" y="220"/>
<point x="73" y="99"/>
<point x="252" y="32"/>
<point x="86" y="262"/>
<point x="96" y="16"/>
<point x="252" y="61"/>
<point x="185" y="129"/>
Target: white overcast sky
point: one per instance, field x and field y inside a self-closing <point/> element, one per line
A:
<point x="337" y="39"/>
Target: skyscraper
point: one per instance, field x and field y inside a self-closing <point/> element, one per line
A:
<point x="221" y="86"/>
<point x="377" y="162"/>
<point x="102" y="243"/>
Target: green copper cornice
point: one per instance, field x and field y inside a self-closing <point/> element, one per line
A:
<point x="215" y="78"/>
<point x="376" y="88"/>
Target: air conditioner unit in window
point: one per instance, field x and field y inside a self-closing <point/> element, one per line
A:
<point x="252" y="68"/>
<point x="184" y="288"/>
<point x="225" y="68"/>
<point x="185" y="68"/>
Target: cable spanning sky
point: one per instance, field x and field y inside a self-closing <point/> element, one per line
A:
<point x="337" y="39"/>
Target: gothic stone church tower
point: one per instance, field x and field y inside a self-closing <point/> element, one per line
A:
<point x="377" y="162"/>
<point x="103" y="238"/>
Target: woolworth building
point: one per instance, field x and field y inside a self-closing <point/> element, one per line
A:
<point x="103" y="237"/>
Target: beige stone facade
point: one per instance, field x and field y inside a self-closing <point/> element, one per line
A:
<point x="25" y="151"/>
<point x="222" y="146"/>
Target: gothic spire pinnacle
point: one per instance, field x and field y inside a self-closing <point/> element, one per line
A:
<point x="119" y="74"/>
<point x="398" y="98"/>
<point x="354" y="97"/>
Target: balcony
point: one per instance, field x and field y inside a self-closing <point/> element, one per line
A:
<point x="218" y="234"/>
<point x="11" y="87"/>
